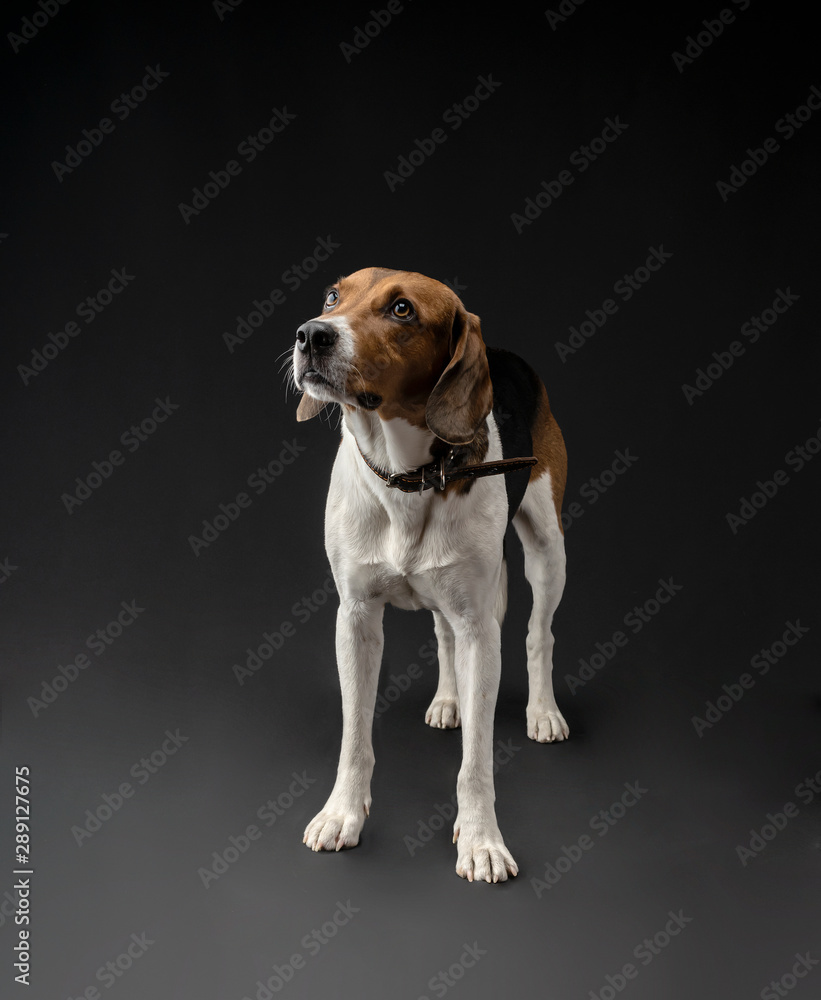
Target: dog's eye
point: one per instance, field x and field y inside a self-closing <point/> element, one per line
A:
<point x="402" y="309"/>
<point x="331" y="298"/>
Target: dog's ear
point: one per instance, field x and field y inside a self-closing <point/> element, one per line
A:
<point x="463" y="396"/>
<point x="309" y="407"/>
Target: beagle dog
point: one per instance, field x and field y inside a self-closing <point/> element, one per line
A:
<point x="444" y="442"/>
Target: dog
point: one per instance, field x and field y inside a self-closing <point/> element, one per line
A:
<point x="444" y="442"/>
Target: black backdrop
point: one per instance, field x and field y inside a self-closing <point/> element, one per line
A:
<point x="156" y="717"/>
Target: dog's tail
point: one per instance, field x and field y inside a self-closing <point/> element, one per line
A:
<point x="501" y="595"/>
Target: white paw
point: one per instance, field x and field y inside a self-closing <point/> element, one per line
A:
<point x="443" y="713"/>
<point x="547" y="727"/>
<point x="332" y="829"/>
<point x="483" y="855"/>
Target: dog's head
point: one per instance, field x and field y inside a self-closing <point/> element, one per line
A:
<point x="400" y="344"/>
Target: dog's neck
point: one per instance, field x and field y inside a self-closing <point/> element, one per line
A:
<point x="394" y="445"/>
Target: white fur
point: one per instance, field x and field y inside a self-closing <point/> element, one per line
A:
<point x="337" y="367"/>
<point x="420" y="551"/>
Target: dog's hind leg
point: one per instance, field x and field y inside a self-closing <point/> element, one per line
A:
<point x="537" y="526"/>
<point x="443" y="711"/>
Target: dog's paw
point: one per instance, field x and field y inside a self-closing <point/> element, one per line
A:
<point x="332" y="829"/>
<point x="443" y="713"/>
<point x="547" y="727"/>
<point x="483" y="856"/>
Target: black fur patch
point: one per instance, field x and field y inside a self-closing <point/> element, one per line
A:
<point x="516" y="394"/>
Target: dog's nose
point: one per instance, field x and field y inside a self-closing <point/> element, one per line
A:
<point x="315" y="336"/>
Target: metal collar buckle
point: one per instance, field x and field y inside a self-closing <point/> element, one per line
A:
<point x="392" y="478"/>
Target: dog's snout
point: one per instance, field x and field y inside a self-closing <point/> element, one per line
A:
<point x="315" y="336"/>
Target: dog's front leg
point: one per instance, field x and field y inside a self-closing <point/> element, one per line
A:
<point x="359" y="641"/>
<point x="481" y="850"/>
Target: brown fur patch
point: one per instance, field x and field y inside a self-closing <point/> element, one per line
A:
<point x="400" y="361"/>
<point x="549" y="449"/>
<point x="403" y="363"/>
<point x="463" y="396"/>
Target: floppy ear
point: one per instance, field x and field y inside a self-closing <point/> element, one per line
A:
<point x="309" y="407"/>
<point x="463" y="396"/>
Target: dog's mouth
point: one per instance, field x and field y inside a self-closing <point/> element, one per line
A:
<point x="312" y="376"/>
<point x="316" y="380"/>
<point x="316" y="384"/>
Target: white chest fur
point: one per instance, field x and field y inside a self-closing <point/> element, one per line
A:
<point x="382" y="541"/>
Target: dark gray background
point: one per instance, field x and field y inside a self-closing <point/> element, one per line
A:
<point x="655" y="186"/>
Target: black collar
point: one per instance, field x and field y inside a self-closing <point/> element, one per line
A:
<point x="435" y="475"/>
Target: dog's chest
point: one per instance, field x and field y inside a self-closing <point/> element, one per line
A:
<point x="403" y="558"/>
<point x="411" y="554"/>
